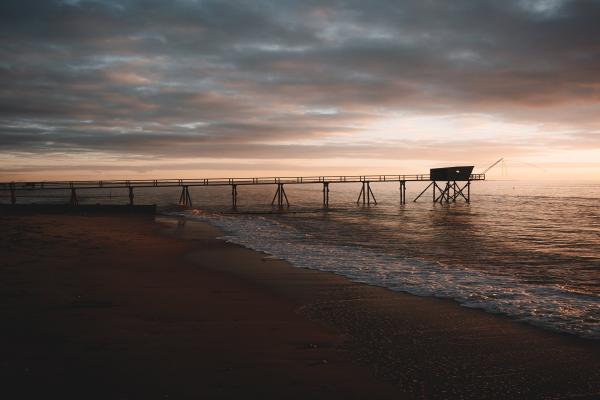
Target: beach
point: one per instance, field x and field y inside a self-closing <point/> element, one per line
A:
<point x="133" y="307"/>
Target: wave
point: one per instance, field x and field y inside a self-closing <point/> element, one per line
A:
<point x="547" y="305"/>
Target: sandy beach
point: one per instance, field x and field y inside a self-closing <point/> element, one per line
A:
<point x="129" y="307"/>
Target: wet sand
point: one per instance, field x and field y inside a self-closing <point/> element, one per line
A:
<point x="120" y="307"/>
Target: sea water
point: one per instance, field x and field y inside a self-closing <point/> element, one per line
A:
<point x="530" y="250"/>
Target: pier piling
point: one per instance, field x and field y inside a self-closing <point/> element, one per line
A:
<point x="234" y="196"/>
<point x="402" y="192"/>
<point x="280" y="196"/>
<point x="458" y="191"/>
<point x="185" y="199"/>
<point x="448" y="192"/>
<point x="366" y="194"/>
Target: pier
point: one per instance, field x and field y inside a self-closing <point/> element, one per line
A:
<point x="447" y="184"/>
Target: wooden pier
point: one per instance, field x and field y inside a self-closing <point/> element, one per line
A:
<point x="445" y="190"/>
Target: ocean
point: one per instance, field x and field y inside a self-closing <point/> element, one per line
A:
<point x="529" y="250"/>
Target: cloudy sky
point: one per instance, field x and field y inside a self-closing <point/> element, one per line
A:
<point x="186" y="88"/>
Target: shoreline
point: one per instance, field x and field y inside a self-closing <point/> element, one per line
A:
<point x="220" y="235"/>
<point x="415" y="347"/>
<point x="490" y="307"/>
<point x="367" y="314"/>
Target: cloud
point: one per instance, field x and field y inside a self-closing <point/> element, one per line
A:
<point x="254" y="79"/>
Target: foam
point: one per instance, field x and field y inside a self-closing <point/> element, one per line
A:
<point x="550" y="306"/>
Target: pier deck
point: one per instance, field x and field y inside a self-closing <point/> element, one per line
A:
<point x="450" y="192"/>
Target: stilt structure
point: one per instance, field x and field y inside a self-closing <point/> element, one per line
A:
<point x="458" y="191"/>
<point x="326" y="195"/>
<point x="449" y="190"/>
<point x="185" y="199"/>
<point x="366" y="194"/>
<point x="280" y="196"/>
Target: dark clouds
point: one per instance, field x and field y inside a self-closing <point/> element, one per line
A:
<point x="249" y="79"/>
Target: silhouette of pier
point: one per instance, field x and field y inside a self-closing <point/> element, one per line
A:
<point x="449" y="185"/>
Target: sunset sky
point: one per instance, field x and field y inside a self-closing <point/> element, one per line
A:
<point x="168" y="89"/>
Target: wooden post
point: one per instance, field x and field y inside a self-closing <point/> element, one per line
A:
<point x="424" y="190"/>
<point x="446" y="197"/>
<point x="185" y="199"/>
<point x="402" y="192"/>
<point x="280" y="196"/>
<point x="234" y="196"/>
<point x="370" y="194"/>
<point x="130" y="195"/>
<point x="287" y="202"/>
<point x="454" y="191"/>
<point x="325" y="194"/>
<point x="468" y="191"/>
<point x="361" y="194"/>
<point x="364" y="193"/>
<point x="275" y="196"/>
<point x="461" y="191"/>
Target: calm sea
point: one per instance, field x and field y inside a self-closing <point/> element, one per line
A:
<point x="530" y="250"/>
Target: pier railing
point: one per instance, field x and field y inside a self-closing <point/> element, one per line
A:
<point x="145" y="183"/>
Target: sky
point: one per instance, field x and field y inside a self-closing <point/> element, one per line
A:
<point x="191" y="88"/>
